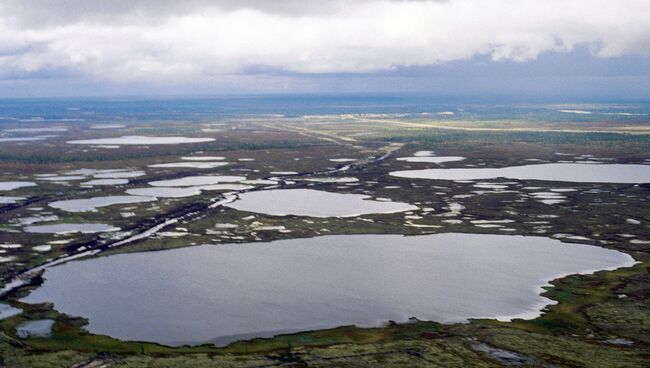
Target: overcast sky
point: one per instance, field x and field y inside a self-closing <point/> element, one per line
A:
<point x="562" y="48"/>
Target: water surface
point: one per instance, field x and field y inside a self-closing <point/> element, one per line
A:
<point x="10" y="200"/>
<point x="191" y="164"/>
<point x="197" y="180"/>
<point x="119" y="174"/>
<point x="86" y="228"/>
<point x="314" y="203"/>
<point x="569" y="172"/>
<point x="26" y="139"/>
<point x="164" y="192"/>
<point x="141" y="140"/>
<point x="106" y="182"/>
<point x="11" y="185"/>
<point x="107" y="126"/>
<point x="92" y="204"/>
<point x="203" y="158"/>
<point x="7" y="311"/>
<point x="36" y="130"/>
<point x="222" y="293"/>
<point x="36" y="328"/>
<point x="431" y="159"/>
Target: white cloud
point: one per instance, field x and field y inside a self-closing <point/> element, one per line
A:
<point x="131" y="40"/>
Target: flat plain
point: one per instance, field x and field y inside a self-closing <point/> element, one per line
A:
<point x="93" y="180"/>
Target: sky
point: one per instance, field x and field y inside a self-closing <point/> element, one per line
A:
<point x="573" y="49"/>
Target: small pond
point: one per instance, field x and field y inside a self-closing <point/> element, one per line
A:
<point x="87" y="228"/>
<point x="197" y="180"/>
<point x="314" y="203"/>
<point x="92" y="204"/>
<point x="431" y="159"/>
<point x="11" y="185"/>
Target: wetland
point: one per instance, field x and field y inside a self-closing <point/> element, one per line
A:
<point x="322" y="232"/>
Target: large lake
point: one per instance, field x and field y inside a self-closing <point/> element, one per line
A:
<point x="222" y="293"/>
<point x="569" y="172"/>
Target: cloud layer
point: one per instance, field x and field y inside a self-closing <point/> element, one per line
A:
<point x="180" y="42"/>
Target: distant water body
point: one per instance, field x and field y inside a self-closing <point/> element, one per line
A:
<point x="566" y="172"/>
<point x="139" y="109"/>
<point x="222" y="293"/>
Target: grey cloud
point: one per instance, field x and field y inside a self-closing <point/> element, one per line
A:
<point x="43" y="13"/>
<point x="186" y="41"/>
